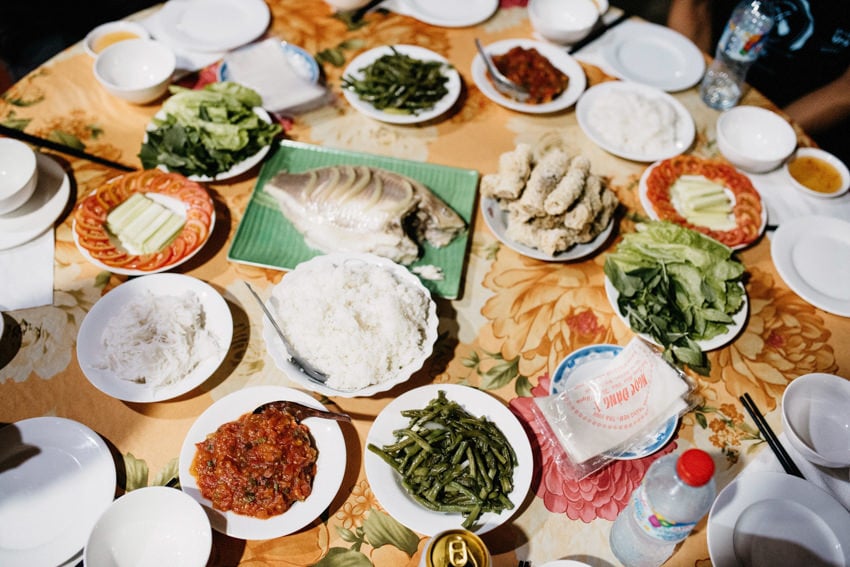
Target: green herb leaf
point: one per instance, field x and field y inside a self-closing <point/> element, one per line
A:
<point x="677" y="286"/>
<point x="206" y="132"/>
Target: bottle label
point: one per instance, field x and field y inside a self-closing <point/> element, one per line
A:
<point x="741" y="44"/>
<point x="654" y="524"/>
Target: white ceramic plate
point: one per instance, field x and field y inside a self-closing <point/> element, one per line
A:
<point x="445" y="13"/>
<point x="685" y="129"/>
<point x="57" y="477"/>
<point x="653" y="214"/>
<point x="497" y="221"/>
<point x="386" y="484"/>
<point x="368" y="57"/>
<point x="738" y="320"/>
<point x="237" y="169"/>
<point x="214" y="25"/>
<point x="811" y="255"/>
<point x="584" y="364"/>
<point x="302" y="63"/>
<point x="330" y="464"/>
<point x="773" y="518"/>
<point x="280" y="355"/>
<point x="181" y="204"/>
<point x="89" y="346"/>
<point x="554" y="53"/>
<point x="43" y="207"/>
<point x="654" y="55"/>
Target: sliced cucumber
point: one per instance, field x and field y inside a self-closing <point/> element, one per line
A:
<point x="703" y="202"/>
<point x="142" y="225"/>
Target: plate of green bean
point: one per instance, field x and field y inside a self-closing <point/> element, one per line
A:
<point x="401" y="84"/>
<point x="446" y="456"/>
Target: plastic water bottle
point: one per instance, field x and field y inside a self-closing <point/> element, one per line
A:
<point x="676" y="493"/>
<point x="739" y="46"/>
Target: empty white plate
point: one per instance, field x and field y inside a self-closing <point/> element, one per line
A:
<point x="445" y="13"/>
<point x="811" y="255"/>
<point x="57" y="477"/>
<point x="773" y="518"/>
<point x="47" y="203"/>
<point x="213" y="25"/>
<point x="654" y="55"/>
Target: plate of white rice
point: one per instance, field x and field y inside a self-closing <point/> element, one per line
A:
<point x="364" y="321"/>
<point x="636" y="122"/>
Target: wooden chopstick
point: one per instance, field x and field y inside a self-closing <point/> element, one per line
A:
<point x="62" y="148"/>
<point x="598" y="32"/>
<point x="771" y="438"/>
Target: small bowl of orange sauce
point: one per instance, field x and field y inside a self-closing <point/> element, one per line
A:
<point x="111" y="33"/>
<point x="818" y="173"/>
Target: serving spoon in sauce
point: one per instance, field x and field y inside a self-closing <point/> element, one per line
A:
<point x="315" y="374"/>
<point x="503" y="84"/>
<point x="300" y="411"/>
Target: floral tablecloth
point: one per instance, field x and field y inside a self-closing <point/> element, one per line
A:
<point x="515" y="320"/>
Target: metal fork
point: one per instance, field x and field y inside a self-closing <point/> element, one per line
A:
<point x="503" y="84"/>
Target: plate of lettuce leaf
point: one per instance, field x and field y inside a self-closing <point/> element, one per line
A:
<point x="679" y="289"/>
<point x="209" y="134"/>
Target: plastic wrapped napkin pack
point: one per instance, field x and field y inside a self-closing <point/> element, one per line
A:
<point x="264" y="67"/>
<point x="613" y="411"/>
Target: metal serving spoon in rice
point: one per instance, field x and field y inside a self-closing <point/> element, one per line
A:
<point x="314" y="373"/>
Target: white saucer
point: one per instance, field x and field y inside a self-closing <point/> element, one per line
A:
<point x="773" y="518"/>
<point x="57" y="477"/>
<point x="810" y="254"/>
<point x="654" y="55"/>
<point x="445" y="13"/>
<point x="213" y="25"/>
<point x="43" y="208"/>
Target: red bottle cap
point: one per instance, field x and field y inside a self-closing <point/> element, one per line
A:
<point x="695" y="467"/>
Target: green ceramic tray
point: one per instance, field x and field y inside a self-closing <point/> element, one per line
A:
<point x="266" y="238"/>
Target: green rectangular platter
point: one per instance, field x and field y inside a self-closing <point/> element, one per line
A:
<point x="266" y="238"/>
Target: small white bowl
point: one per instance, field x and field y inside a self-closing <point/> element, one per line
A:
<point x="565" y="21"/>
<point x="828" y="158"/>
<point x="109" y="33"/>
<point x="755" y="139"/>
<point x="151" y="527"/>
<point x="18" y="174"/>
<point x="815" y="418"/>
<point x="137" y="70"/>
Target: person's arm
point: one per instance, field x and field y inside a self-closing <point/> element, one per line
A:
<point x="824" y="107"/>
<point x="692" y="18"/>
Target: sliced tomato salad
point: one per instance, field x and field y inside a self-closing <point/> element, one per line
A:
<point x="90" y="219"/>
<point x="747" y="209"/>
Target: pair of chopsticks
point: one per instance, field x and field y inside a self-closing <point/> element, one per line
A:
<point x="61" y="148"/>
<point x="598" y="32"/>
<point x="772" y="440"/>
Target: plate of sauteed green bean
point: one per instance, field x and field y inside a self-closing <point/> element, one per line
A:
<point x="401" y="84"/>
<point x="446" y="456"/>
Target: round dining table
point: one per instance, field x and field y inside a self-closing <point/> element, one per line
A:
<point x="504" y="330"/>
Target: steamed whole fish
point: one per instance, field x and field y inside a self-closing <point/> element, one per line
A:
<point x="347" y="208"/>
